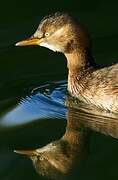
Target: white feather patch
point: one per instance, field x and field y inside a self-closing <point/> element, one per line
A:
<point x="49" y="46"/>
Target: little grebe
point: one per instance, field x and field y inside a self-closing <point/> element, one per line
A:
<point x="98" y="86"/>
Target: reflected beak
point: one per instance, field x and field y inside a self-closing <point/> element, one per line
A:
<point x="27" y="152"/>
<point x="30" y="41"/>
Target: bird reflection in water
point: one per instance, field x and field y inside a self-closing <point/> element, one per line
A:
<point x="60" y="159"/>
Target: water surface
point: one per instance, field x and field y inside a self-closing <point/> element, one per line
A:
<point x="39" y="116"/>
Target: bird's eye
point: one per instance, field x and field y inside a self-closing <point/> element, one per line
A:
<point x="41" y="158"/>
<point x="46" y="34"/>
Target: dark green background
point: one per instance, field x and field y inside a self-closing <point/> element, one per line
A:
<point x="22" y="67"/>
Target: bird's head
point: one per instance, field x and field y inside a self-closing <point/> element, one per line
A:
<point x="55" y="160"/>
<point x="58" y="32"/>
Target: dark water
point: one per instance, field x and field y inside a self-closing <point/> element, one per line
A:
<point x="33" y="92"/>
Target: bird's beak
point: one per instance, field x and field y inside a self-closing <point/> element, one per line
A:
<point x="30" y="41"/>
<point x="27" y="152"/>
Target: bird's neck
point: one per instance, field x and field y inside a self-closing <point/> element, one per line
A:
<point x="79" y="63"/>
<point x="78" y="60"/>
<point x="75" y="133"/>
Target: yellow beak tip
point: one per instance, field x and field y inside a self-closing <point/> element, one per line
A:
<point x="18" y="44"/>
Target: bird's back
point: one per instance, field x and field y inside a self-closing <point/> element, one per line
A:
<point x="102" y="88"/>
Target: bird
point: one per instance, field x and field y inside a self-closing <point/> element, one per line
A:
<point x="60" y="159"/>
<point x="87" y="81"/>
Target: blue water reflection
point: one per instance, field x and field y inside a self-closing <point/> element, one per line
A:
<point x="41" y="104"/>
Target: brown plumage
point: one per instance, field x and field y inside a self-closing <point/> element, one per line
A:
<point x="60" y="32"/>
<point x="61" y="159"/>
